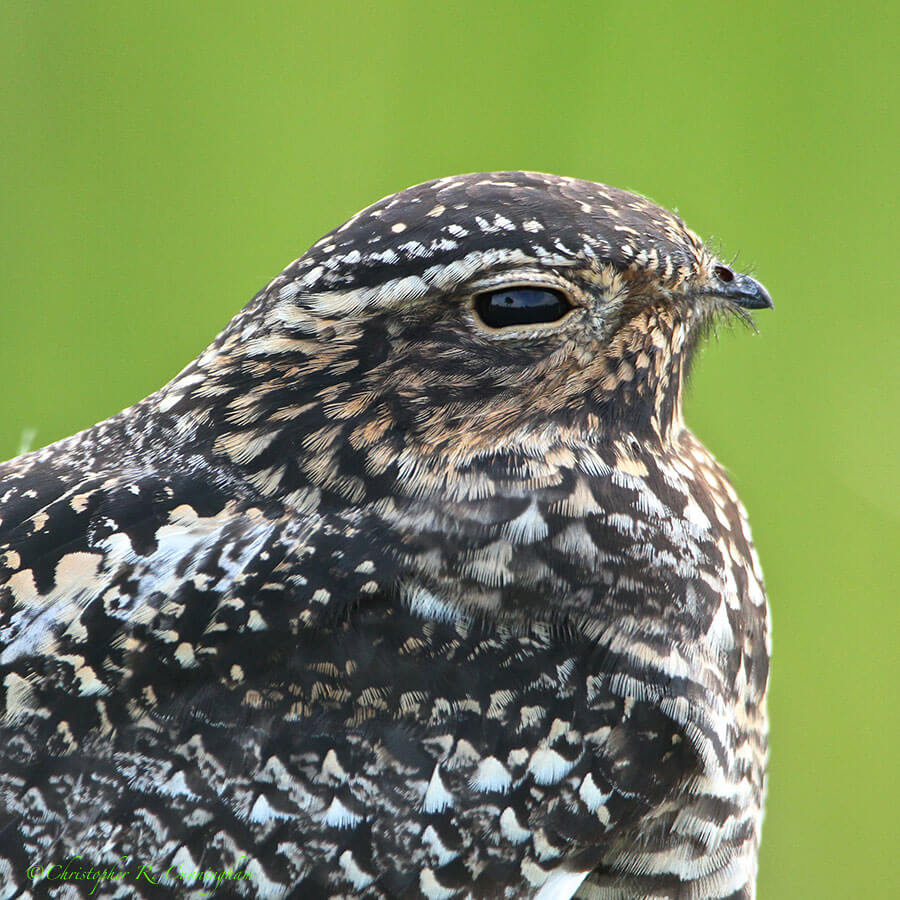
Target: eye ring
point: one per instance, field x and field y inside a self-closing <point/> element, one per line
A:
<point x="521" y="306"/>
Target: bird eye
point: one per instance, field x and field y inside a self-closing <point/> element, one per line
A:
<point x="724" y="274"/>
<point x="521" y="306"/>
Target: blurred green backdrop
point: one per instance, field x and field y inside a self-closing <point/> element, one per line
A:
<point x="161" y="162"/>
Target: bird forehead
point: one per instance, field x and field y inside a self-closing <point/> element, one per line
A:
<point x="496" y="218"/>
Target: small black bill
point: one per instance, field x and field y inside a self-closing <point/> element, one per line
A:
<point x="745" y="291"/>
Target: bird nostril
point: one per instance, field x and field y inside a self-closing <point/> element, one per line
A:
<point x="723" y="273"/>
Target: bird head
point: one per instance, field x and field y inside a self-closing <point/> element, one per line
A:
<point x="458" y="319"/>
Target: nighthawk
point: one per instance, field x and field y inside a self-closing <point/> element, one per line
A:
<point x="413" y="585"/>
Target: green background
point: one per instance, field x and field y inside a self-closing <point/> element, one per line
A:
<point x="161" y="162"/>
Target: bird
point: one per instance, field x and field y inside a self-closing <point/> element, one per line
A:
<point x="414" y="584"/>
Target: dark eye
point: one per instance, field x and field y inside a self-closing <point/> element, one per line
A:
<point x="724" y="274"/>
<point x="521" y="306"/>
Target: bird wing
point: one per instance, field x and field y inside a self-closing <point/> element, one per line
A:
<point x="139" y="614"/>
<point x="199" y="681"/>
<point x="156" y="569"/>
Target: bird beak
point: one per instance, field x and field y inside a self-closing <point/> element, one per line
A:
<point x="743" y="290"/>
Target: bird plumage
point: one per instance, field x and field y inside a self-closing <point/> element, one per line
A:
<point x="374" y="599"/>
